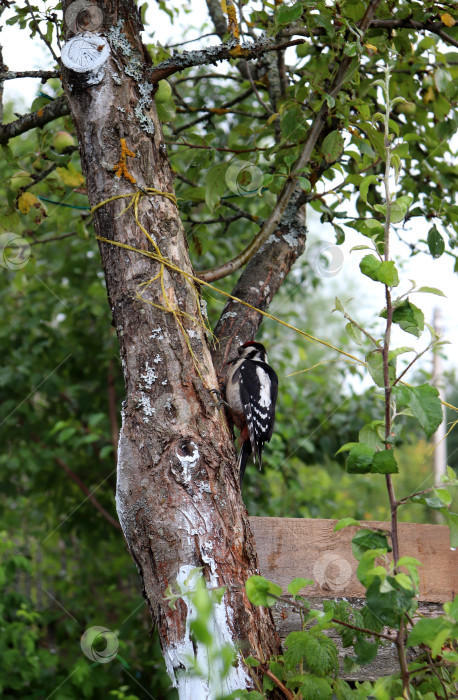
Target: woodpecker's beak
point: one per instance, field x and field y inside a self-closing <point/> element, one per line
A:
<point x="231" y="362"/>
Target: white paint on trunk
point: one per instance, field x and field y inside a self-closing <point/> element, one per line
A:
<point x="182" y="657"/>
<point x="122" y="476"/>
<point x="188" y="462"/>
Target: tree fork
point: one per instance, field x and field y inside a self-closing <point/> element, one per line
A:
<point x="178" y="498"/>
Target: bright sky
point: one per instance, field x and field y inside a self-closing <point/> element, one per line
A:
<point x="19" y="53"/>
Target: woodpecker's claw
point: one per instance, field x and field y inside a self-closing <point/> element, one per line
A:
<point x="221" y="401"/>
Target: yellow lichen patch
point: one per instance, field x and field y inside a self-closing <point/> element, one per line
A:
<point x="448" y="20"/>
<point x="218" y="110"/>
<point x="121" y="165"/>
<point x="232" y="23"/>
<point x="238" y="52"/>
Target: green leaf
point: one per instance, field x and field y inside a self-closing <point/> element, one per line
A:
<point x="409" y="317"/>
<point x="399" y="208"/>
<point x="359" y="460"/>
<point x="426" y="630"/>
<point x="411" y="564"/>
<point x="369" y="266"/>
<point x="287" y="14"/>
<point x="400" y="351"/>
<point x="442" y="78"/>
<point x="431" y="290"/>
<point x="333" y="146"/>
<point x="436" y="243"/>
<point x="347" y="447"/>
<point x="364" y="186"/>
<point x="451" y="609"/>
<point x="374" y="361"/>
<point x="354" y="333"/>
<point x="345" y="522"/>
<point x="200" y="632"/>
<point x="215" y="185"/>
<point x="405" y="581"/>
<point x="368" y="539"/>
<point x="384" y="463"/>
<point x="444" y="496"/>
<point x="342" y="690"/>
<point x="431" y="502"/>
<point x="305" y="184"/>
<point x="373" y="434"/>
<point x="291" y="120"/>
<point x="258" y="589"/>
<point x="321" y="654"/>
<point x="388" y="274"/>
<point x="365" y="651"/>
<point x="316" y="688"/>
<point x="380" y="271"/>
<point x="251" y="661"/>
<point x="396" y="164"/>
<point x="388" y="606"/>
<point x="166" y="111"/>
<point x="295" y="644"/>
<point x="338" y="306"/>
<point x="452" y="522"/>
<point x="367" y="570"/>
<point x="425" y="404"/>
<point x="297" y="584"/>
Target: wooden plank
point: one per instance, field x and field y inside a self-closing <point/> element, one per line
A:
<point x="289" y="547"/>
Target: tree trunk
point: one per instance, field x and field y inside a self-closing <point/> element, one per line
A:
<point x="178" y="498"/>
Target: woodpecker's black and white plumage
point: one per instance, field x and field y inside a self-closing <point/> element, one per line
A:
<point x="251" y="392"/>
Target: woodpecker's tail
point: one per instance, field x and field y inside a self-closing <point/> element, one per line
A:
<point x="244" y="453"/>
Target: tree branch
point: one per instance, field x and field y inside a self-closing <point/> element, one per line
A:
<point x="42" y="74"/>
<point x="57" y="108"/>
<point x="285" y="195"/>
<point x="257" y="285"/>
<point x="218" y="18"/>
<point x="223" y="52"/>
<point x="40" y="33"/>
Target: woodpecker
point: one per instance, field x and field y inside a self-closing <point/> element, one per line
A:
<point x="251" y="392"/>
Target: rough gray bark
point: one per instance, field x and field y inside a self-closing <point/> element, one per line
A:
<point x="177" y="497"/>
